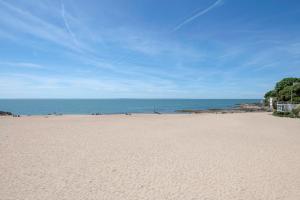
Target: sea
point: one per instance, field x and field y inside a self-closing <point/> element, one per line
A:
<point x="114" y="106"/>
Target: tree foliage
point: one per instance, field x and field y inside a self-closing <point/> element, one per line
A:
<point x="285" y="82"/>
<point x="284" y="89"/>
<point x="269" y="94"/>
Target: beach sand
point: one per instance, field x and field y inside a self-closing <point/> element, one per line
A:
<point x="144" y="156"/>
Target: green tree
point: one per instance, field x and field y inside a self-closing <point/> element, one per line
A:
<point x="296" y="93"/>
<point x="269" y="94"/>
<point x="285" y="94"/>
<point x="296" y="89"/>
<point x="285" y="82"/>
<point x="284" y="89"/>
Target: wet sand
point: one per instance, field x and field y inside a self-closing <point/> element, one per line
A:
<point x="187" y="156"/>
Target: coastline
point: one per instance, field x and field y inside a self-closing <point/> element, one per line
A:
<point x="113" y="106"/>
<point x="239" y="108"/>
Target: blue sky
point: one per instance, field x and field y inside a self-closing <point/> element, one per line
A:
<point x="147" y="48"/>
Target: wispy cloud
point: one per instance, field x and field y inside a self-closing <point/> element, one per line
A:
<point x="48" y="86"/>
<point x="67" y="24"/>
<point x="21" y="64"/>
<point x="83" y="53"/>
<point x="18" y="20"/>
<point x="22" y="20"/>
<point x="198" y="14"/>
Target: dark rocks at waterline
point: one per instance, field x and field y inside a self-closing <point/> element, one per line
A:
<point x="251" y="107"/>
<point x="217" y="111"/>
<point x="56" y="114"/>
<point x="239" y="109"/>
<point x="4" y="113"/>
<point x="96" y="113"/>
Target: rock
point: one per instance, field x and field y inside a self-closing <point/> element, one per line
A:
<point x="251" y="107"/>
<point x="240" y="108"/>
<point x="3" y="113"/>
<point x="96" y="114"/>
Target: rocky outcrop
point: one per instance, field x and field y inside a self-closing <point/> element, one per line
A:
<point x="237" y="109"/>
<point x="3" y="113"/>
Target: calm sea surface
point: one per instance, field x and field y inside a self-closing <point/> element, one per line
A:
<point x="112" y="106"/>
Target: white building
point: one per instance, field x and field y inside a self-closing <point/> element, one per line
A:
<point x="286" y="107"/>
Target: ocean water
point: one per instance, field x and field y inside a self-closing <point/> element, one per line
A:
<point x="113" y="106"/>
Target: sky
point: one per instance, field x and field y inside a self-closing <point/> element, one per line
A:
<point x="147" y="48"/>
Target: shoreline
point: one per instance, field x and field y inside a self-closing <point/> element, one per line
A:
<point x="195" y="112"/>
<point x="239" y="108"/>
<point x="132" y="114"/>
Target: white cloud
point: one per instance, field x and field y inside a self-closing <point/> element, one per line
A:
<point x="21" y="64"/>
<point x="198" y="14"/>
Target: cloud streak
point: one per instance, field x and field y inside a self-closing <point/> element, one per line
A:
<point x="26" y="22"/>
<point x="22" y="64"/>
<point x="67" y="24"/>
<point x="83" y="54"/>
<point x="198" y="14"/>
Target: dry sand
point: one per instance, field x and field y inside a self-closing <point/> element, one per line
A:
<point x="206" y="156"/>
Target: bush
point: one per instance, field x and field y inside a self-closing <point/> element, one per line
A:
<point x="296" y="111"/>
<point x="296" y="99"/>
<point x="287" y="114"/>
<point x="275" y="104"/>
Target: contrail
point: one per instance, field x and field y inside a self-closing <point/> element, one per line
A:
<point x="188" y="20"/>
<point x="67" y="24"/>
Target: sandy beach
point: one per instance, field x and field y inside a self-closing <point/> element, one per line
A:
<point x="146" y="156"/>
